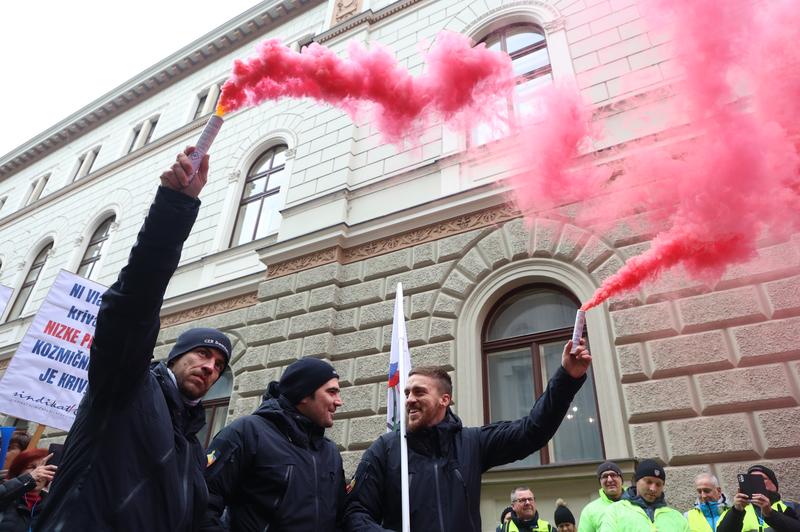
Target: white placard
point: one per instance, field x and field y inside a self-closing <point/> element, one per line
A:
<point x="47" y="376"/>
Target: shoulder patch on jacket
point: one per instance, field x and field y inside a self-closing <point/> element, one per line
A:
<point x="211" y="458"/>
<point x="350" y="485"/>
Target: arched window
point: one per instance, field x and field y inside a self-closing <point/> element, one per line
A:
<point x="525" y="43"/>
<point x="216" y="403"/>
<point x="30" y="283"/>
<point x="91" y="257"/>
<point x="523" y="339"/>
<point x="260" y="196"/>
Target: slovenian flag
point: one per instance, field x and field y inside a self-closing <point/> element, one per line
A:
<point x="395" y="396"/>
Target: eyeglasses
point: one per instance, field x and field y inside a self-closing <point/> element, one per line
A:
<point x="523" y="500"/>
<point x="606" y="476"/>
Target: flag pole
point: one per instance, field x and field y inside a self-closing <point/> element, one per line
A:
<point x="403" y="341"/>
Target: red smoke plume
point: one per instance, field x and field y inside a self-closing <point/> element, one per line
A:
<point x="738" y="179"/>
<point x="459" y="82"/>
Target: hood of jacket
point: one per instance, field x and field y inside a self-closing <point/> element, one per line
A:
<point x="648" y="507"/>
<point x="295" y="426"/>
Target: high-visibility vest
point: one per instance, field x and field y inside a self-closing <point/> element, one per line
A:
<point x="698" y="521"/>
<point x="751" y="522"/>
<point x="541" y="526"/>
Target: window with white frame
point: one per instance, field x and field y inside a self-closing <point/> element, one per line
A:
<point x="206" y="102"/>
<point x="85" y="163"/>
<point x="35" y="190"/>
<point x="259" y="201"/>
<point x="526" y="44"/>
<point x="91" y="257"/>
<point x="143" y="133"/>
<point x="28" y="285"/>
<point x="522" y="343"/>
<point x="3" y="200"/>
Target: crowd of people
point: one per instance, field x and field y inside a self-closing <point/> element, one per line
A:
<point x="132" y="460"/>
<point x="642" y="506"/>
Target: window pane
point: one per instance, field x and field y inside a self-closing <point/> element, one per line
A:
<point x="532" y="312"/>
<point x="529" y="62"/>
<point x="253" y="188"/>
<point x="511" y="395"/>
<point x="245" y="223"/>
<point x="280" y="157"/>
<point x="578" y="437"/>
<point x="19" y="303"/>
<point x="267" y="212"/>
<point x="93" y="251"/>
<point x="222" y="388"/>
<point x="521" y="37"/>
<point x="261" y="165"/>
<point x="220" y="413"/>
<point x="85" y="270"/>
<point x="277" y="179"/>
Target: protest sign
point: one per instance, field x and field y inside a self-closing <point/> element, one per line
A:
<point x="47" y="376"/>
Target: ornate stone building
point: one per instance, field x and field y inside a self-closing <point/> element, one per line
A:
<point x="310" y="220"/>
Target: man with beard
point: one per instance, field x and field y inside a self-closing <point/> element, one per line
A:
<point x="610" y="477"/>
<point x="132" y="460"/>
<point x="765" y="512"/>
<point x="642" y="508"/>
<point x="275" y="470"/>
<point x="526" y="516"/>
<point x="445" y="459"/>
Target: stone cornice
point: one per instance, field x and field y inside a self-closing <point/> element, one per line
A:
<point x="367" y="17"/>
<point x="236" y="33"/>
<point x="345" y="255"/>
<point x="211" y="309"/>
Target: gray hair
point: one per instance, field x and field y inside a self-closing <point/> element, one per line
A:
<point x="514" y="492"/>
<point x="710" y="476"/>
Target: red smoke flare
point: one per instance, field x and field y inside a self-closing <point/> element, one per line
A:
<point x="459" y="82"/>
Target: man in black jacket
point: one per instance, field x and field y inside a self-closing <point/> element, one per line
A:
<point x="274" y="470"/>
<point x="132" y="460"/>
<point x="446" y="460"/>
<point x="764" y="511"/>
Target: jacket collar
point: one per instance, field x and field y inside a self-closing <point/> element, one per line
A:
<point x="295" y="426"/>
<point x="186" y="419"/>
<point x="436" y="440"/>
<point x="631" y="495"/>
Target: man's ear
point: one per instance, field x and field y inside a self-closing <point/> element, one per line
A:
<point x="446" y="399"/>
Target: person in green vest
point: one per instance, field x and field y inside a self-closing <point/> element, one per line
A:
<point x="643" y="508"/>
<point x="765" y="512"/>
<point x="610" y="477"/>
<point x="711" y="504"/>
<point x="526" y="517"/>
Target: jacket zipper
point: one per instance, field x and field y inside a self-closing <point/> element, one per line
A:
<point x="316" y="492"/>
<point x="438" y="496"/>
<point x="466" y="497"/>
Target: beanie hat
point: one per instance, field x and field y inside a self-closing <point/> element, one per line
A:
<point x="303" y="377"/>
<point x="562" y="514"/>
<point x="608" y="466"/>
<point x="650" y="468"/>
<point x="767" y="471"/>
<point x="201" y="336"/>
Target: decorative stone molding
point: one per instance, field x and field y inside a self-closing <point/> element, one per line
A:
<point x="234" y="175"/>
<point x="4" y="364"/>
<point x="113" y="226"/>
<point x="452" y="226"/>
<point x="344" y="9"/>
<point x="290" y="153"/>
<point x="78" y="241"/>
<point x="555" y="25"/>
<point x="217" y="307"/>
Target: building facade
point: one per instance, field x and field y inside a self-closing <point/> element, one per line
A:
<point x="310" y="220"/>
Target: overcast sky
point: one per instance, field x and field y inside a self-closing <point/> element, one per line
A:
<point x="58" y="56"/>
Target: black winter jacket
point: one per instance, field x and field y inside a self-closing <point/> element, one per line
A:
<point x="131" y="460"/>
<point x="274" y="470"/>
<point x="445" y="464"/>
<point x="14" y="513"/>
<point x="788" y="521"/>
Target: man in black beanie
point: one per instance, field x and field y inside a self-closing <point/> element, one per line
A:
<point x="274" y="469"/>
<point x="643" y="508"/>
<point x="132" y="460"/>
<point x="764" y="511"/>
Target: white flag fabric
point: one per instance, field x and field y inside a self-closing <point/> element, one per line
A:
<point x="395" y="397"/>
<point x="47" y="376"/>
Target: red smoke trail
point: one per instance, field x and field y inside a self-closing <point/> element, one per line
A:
<point x="737" y="180"/>
<point x="459" y="83"/>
